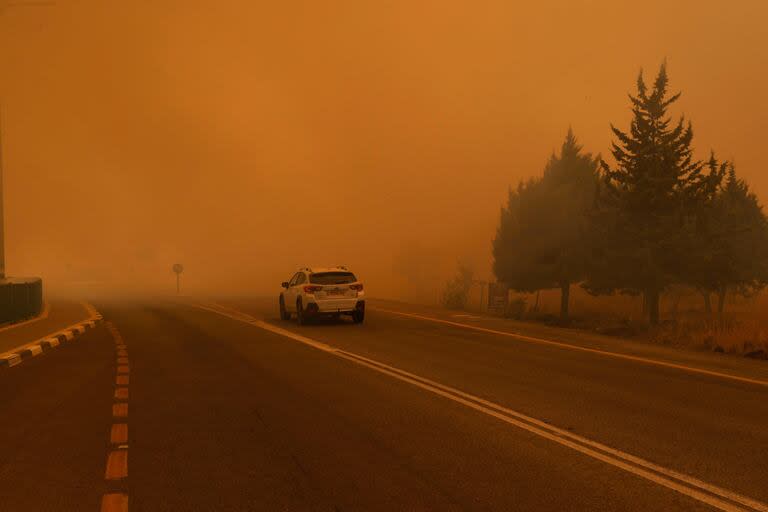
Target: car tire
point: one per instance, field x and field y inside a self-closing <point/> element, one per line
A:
<point x="301" y="318"/>
<point x="358" y="316"/>
<point x="284" y="313"/>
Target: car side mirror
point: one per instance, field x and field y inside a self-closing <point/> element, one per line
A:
<point x="285" y="284"/>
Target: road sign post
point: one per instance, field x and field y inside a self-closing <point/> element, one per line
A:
<point x="178" y="268"/>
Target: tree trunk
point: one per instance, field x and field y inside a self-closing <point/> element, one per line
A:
<point x="721" y="303"/>
<point x="565" y="294"/>
<point x="652" y="306"/>
<point x="707" y="303"/>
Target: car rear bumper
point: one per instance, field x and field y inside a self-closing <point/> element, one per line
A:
<point x="329" y="306"/>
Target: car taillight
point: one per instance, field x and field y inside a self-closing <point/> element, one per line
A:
<point x="358" y="287"/>
<point x="312" y="289"/>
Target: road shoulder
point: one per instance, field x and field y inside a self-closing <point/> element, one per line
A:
<point x="714" y="364"/>
<point x="64" y="322"/>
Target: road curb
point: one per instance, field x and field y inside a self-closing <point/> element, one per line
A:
<point x="49" y="342"/>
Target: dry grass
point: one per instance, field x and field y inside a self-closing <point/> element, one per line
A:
<point x="732" y="335"/>
<point x="743" y="329"/>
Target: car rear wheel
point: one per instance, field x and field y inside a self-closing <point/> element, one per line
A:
<point x="284" y="314"/>
<point x="358" y="316"/>
<point x="301" y="317"/>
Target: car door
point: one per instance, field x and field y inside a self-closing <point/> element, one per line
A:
<point x="289" y="295"/>
<point x="297" y="287"/>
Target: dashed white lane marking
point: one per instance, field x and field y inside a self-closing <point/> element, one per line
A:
<point x="120" y="410"/>
<point x="117" y="459"/>
<point x="704" y="492"/>
<point x="117" y="465"/>
<point x="119" y="433"/>
<point x="570" y="346"/>
<point x="114" y="502"/>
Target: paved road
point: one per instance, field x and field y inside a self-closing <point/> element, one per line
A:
<point x="229" y="413"/>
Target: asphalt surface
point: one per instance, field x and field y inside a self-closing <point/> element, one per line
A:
<point x="227" y="415"/>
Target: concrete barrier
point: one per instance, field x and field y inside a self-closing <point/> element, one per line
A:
<point x="20" y="298"/>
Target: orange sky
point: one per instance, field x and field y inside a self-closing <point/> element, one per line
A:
<point x="245" y="139"/>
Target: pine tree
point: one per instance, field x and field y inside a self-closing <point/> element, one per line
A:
<point x="644" y="200"/>
<point x="540" y="239"/>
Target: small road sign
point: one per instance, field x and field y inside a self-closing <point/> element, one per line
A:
<point x="178" y="268"/>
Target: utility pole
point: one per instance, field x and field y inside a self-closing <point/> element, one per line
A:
<point x="3" y="7"/>
<point x="2" y="209"/>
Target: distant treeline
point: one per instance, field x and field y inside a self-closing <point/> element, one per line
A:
<point x="658" y="217"/>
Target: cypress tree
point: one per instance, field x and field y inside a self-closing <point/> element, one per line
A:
<point x="540" y="240"/>
<point x="698" y="234"/>
<point x="739" y="240"/>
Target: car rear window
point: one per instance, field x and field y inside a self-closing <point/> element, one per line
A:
<point x="332" y="278"/>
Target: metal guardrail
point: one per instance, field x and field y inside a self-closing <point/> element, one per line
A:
<point x="20" y="298"/>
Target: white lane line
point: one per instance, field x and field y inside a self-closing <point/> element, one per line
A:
<point x="704" y="492"/>
<point x="114" y="502"/>
<point x="570" y="346"/>
<point x="560" y="433"/>
<point x="269" y="327"/>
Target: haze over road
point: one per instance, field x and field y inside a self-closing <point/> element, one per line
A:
<point x="232" y="409"/>
<point x="174" y="118"/>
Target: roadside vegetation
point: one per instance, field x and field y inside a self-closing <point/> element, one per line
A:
<point x="456" y="292"/>
<point x="657" y="224"/>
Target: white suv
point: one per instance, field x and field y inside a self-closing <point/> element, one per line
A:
<point x="322" y="291"/>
